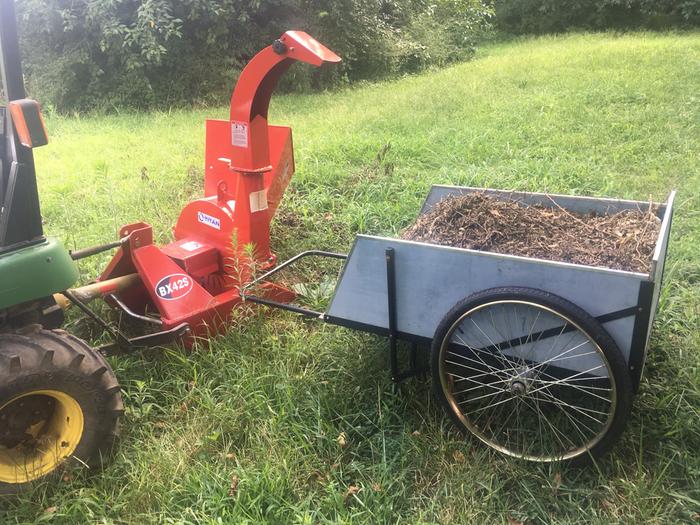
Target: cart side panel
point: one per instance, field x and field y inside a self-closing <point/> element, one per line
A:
<point x="568" y="202"/>
<point x="431" y="279"/>
<point x="659" y="259"/>
<point x="650" y="293"/>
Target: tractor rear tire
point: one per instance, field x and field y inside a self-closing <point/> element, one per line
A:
<point x="60" y="404"/>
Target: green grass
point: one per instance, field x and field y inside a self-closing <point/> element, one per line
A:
<point x="596" y="114"/>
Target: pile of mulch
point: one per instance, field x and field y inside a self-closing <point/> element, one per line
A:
<point x="623" y="240"/>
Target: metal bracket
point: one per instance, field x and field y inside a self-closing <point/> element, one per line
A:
<point x="145" y="341"/>
<point x="276" y="304"/>
<point x="397" y="375"/>
<point x="123" y="344"/>
<point x="128" y="311"/>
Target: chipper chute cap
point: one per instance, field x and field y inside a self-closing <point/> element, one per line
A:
<point x="28" y="122"/>
<point x="305" y="48"/>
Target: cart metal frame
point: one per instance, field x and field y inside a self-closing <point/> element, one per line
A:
<point x="402" y="289"/>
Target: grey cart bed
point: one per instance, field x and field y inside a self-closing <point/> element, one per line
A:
<point x="538" y="359"/>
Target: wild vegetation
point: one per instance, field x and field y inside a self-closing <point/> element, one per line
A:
<point x="102" y="55"/>
<point x="283" y="420"/>
<point x="97" y="55"/>
<point x="549" y="16"/>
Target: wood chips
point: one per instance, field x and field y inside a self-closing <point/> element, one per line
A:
<point x="623" y="240"/>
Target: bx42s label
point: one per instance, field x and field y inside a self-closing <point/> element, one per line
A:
<point x="173" y="286"/>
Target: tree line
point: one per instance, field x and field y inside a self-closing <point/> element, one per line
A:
<point x="103" y="54"/>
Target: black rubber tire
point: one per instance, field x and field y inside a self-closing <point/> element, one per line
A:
<point x="34" y="359"/>
<point x="587" y="323"/>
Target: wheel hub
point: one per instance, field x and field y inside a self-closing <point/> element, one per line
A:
<point x="520" y="382"/>
<point x="518" y="387"/>
<point x="22" y="422"/>
<point x="39" y="430"/>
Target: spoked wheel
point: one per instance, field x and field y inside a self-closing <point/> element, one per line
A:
<point x="59" y="402"/>
<point x="531" y="375"/>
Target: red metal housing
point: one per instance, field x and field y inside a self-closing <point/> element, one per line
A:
<point x="224" y="237"/>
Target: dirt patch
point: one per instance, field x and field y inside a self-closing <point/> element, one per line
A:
<point x="623" y="240"/>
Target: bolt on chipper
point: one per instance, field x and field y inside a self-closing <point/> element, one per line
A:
<point x="537" y="359"/>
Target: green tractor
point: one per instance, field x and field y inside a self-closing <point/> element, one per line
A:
<point x="60" y="401"/>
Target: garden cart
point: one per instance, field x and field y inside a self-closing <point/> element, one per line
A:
<point x="538" y="359"/>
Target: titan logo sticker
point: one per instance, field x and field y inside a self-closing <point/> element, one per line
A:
<point x="174" y="286"/>
<point x="210" y="221"/>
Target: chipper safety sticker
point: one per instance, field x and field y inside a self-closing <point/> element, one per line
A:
<point x="239" y="134"/>
<point x="190" y="246"/>
<point x="258" y="201"/>
<point x="173" y="286"/>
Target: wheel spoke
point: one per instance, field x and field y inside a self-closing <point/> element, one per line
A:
<point x="500" y="401"/>
<point x="573" y="421"/>
<point x="491" y="406"/>
<point x="560" y="381"/>
<point x="511" y="366"/>
<point x="555" y="432"/>
<point x="462" y="378"/>
<point x="516" y="410"/>
<point x="494" y="345"/>
<point x="583" y="411"/>
<point x="589" y="378"/>
<point x="480" y="361"/>
<point x="470" y="367"/>
<point x="578" y="387"/>
<point x="501" y="356"/>
<point x="552" y="379"/>
<point x="481" y="385"/>
<point x="592" y="352"/>
<point x="602" y="423"/>
<point x="555" y="358"/>
<point x="490" y="394"/>
<point x="529" y="334"/>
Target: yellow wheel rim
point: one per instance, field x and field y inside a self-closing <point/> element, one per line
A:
<point x="50" y="441"/>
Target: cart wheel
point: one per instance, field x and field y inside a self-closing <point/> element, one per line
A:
<point x="531" y="375"/>
<point x="59" y="403"/>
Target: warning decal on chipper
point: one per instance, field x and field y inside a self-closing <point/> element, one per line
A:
<point x="239" y="134"/>
<point x="174" y="286"/>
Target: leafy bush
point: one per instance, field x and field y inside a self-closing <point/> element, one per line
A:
<point x="86" y="54"/>
<point x="546" y="16"/>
